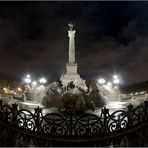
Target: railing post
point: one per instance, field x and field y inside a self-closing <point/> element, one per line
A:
<point x="37" y="118"/>
<point x="69" y="113"/>
<point x="130" y="115"/>
<point x="14" y="112"/>
<point x="145" y="109"/>
<point x="1" y="104"/>
<point x="71" y="123"/>
<point x="104" y="116"/>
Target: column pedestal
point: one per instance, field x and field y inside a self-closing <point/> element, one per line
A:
<point x="71" y="68"/>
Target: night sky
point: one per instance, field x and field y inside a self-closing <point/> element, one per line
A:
<point x="111" y="37"/>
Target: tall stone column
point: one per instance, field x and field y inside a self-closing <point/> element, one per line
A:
<point x="71" y="65"/>
<point x="71" y="35"/>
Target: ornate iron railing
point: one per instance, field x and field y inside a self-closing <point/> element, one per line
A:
<point x="20" y="127"/>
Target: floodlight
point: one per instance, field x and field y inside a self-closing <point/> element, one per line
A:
<point x="101" y="81"/>
<point x="115" y="76"/>
<point x="116" y="81"/>
<point x="28" y="76"/>
<point x="34" y="83"/>
<point x="42" y="80"/>
<point x="28" y="80"/>
<point x="109" y="84"/>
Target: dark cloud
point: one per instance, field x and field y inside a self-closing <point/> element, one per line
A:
<point x="110" y="37"/>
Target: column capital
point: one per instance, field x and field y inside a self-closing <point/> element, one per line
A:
<point x="71" y="26"/>
<point x="71" y="33"/>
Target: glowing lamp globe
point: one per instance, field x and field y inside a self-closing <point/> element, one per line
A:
<point x="4" y="89"/>
<point x="109" y="84"/>
<point x="116" y="81"/>
<point x="28" y="76"/>
<point x="115" y="76"/>
<point x="42" y="80"/>
<point x="27" y="80"/>
<point x="34" y="83"/>
<point x="19" y="89"/>
<point x="101" y="81"/>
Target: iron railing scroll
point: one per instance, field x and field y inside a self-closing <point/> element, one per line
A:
<point x="21" y="127"/>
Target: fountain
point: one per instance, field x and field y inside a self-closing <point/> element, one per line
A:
<point x="72" y="91"/>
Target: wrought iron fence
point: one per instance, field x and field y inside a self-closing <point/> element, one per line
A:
<point x="21" y="127"/>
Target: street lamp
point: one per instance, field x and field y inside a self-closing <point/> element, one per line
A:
<point x="28" y="76"/>
<point x="109" y="84"/>
<point x="101" y="81"/>
<point x="116" y="81"/>
<point x="42" y="80"/>
<point x="27" y="79"/>
<point x="115" y="76"/>
<point x="34" y="83"/>
<point x="19" y="89"/>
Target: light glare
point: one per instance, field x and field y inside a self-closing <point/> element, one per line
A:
<point x="115" y="76"/>
<point x="101" y="81"/>
<point x="43" y="80"/>
<point x="34" y="83"/>
<point x="109" y="84"/>
<point x="28" y="76"/>
<point x="19" y="89"/>
<point x="116" y="81"/>
<point x="4" y="89"/>
<point x="28" y="80"/>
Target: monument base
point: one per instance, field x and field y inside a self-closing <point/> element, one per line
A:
<point x="71" y="68"/>
<point x="67" y="78"/>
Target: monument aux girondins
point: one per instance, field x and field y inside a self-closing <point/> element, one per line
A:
<point x="72" y="66"/>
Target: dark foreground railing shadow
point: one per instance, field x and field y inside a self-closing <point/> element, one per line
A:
<point x="120" y="128"/>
